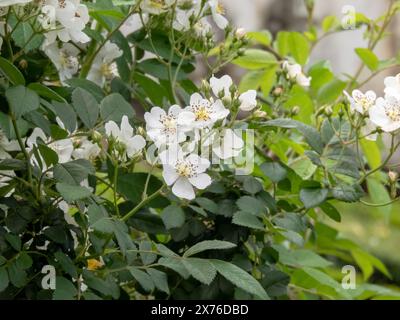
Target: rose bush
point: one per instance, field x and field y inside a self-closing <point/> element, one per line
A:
<point x="130" y="180"/>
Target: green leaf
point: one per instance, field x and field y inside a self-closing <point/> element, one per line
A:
<point x="379" y="194"/>
<point x="17" y="275"/>
<point x="66" y="114"/>
<point x="131" y="185"/>
<point x="274" y="171"/>
<point x="11" y="72"/>
<point x="143" y="278"/>
<point x="263" y="37"/>
<point x="254" y="59"/>
<point x="66" y="264"/>
<point x="3" y="278"/>
<point x="329" y="23"/>
<point x="331" y="211"/>
<point x="368" y="57"/>
<point x="65" y="290"/>
<point x="208" y="245"/>
<point x="22" y="100"/>
<point x="251" y="205"/>
<point x="86" y="107"/>
<point x="114" y="107"/>
<point x="347" y="193"/>
<point x="89" y="86"/>
<point x="200" y="269"/>
<point x="49" y="156"/>
<point x="72" y="193"/>
<point x="73" y="172"/>
<point x="175" y="264"/>
<point x="311" y="135"/>
<point x="146" y="254"/>
<point x="252" y="185"/>
<point x="207" y="204"/>
<point x="246" y="219"/>
<point x="14" y="240"/>
<point x="173" y="217"/>
<point x="45" y="92"/>
<point x="329" y="92"/>
<point x="160" y="279"/>
<point x="240" y="278"/>
<point x="12" y="164"/>
<point x="313" y="197"/>
<point x="295" y="44"/>
<point x="99" y="219"/>
<point x="301" y="258"/>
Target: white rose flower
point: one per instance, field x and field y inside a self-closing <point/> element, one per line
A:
<point x="124" y="136"/>
<point x="183" y="13"/>
<point x="221" y="86"/>
<point x="86" y="150"/>
<point x="163" y="128"/>
<point x="184" y="172"/>
<point x="361" y="102"/>
<point x="248" y="100"/>
<point x="104" y="68"/>
<point x="202" y="113"/>
<point x="218" y="11"/>
<point x="294" y="72"/>
<point x="392" y="86"/>
<point x="63" y="147"/>
<point x="72" y="17"/>
<point x="386" y="113"/>
<point x="65" y="59"/>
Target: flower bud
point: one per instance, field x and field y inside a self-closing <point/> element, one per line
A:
<point x="240" y="33"/>
<point x="328" y="111"/>
<point x="278" y="91"/>
<point x="393" y="176"/>
<point x="260" y="114"/>
<point x="295" y="110"/>
<point x="23" y="64"/>
<point x="96" y="136"/>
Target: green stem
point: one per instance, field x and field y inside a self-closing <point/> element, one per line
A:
<point x="145" y="201"/>
<point x="22" y="146"/>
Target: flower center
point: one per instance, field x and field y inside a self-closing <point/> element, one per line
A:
<point x="185" y="169"/>
<point x="220" y="9"/>
<point x="169" y="123"/>
<point x="108" y="70"/>
<point x="202" y="111"/>
<point x="68" y="61"/>
<point x="158" y="3"/>
<point x="393" y="111"/>
<point x="365" y="103"/>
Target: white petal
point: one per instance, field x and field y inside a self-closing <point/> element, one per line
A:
<point x="174" y="110"/>
<point x="112" y="129"/>
<point x="126" y="128"/>
<point x="36" y="133"/>
<point x="183" y="189"/>
<point x="201" y="181"/>
<point x="222" y="84"/>
<point x="220" y="20"/>
<point x="134" y="145"/>
<point x="248" y="100"/>
<point x="378" y="116"/>
<point x="195" y="98"/>
<point x="169" y="174"/>
<point x="201" y="163"/>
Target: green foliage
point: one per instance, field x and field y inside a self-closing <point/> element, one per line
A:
<point x="109" y="222"/>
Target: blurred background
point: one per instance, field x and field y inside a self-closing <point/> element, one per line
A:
<point x="375" y="229"/>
